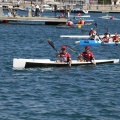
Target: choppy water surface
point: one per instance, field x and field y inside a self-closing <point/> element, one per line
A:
<point x="76" y="93"/>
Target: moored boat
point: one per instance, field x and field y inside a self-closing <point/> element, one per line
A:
<point x="77" y="10"/>
<point x="34" y="63"/>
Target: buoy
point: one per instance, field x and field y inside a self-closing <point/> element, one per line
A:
<point x="79" y="25"/>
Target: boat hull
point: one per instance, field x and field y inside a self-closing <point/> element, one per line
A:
<point x="80" y="36"/>
<point x="95" y="43"/>
<point x="34" y="63"/>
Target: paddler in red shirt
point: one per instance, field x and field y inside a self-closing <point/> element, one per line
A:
<point x="64" y="56"/>
<point x="106" y="38"/>
<point x="70" y="23"/>
<point x="81" y="21"/>
<point x="86" y="56"/>
<point x="115" y="37"/>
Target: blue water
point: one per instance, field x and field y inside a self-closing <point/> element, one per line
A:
<point x="76" y="93"/>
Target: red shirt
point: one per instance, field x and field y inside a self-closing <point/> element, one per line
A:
<point x="81" y="22"/>
<point x="106" y="39"/>
<point x="92" y="32"/>
<point x="115" y="38"/>
<point x="87" y="56"/>
<point x="65" y="57"/>
<point x="70" y="23"/>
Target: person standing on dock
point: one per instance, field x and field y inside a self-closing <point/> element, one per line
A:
<point x="37" y="10"/>
<point x="55" y="9"/>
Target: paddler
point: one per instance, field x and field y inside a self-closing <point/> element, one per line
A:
<point x="64" y="56"/>
<point x="70" y="23"/>
<point x="112" y="17"/>
<point x="81" y="21"/>
<point x="106" y="38"/>
<point x="93" y="34"/>
<point x="86" y="56"/>
<point x="115" y="37"/>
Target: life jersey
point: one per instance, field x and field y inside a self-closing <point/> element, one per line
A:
<point x="87" y="56"/>
<point x="70" y="23"/>
<point x="92" y="32"/>
<point x="106" y="39"/>
<point x="81" y="22"/>
<point x="65" y="57"/>
<point x="115" y="38"/>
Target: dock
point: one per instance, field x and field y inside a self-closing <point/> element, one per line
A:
<point x="102" y="8"/>
<point x="46" y="20"/>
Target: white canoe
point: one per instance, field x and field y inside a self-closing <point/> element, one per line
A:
<point x="80" y="36"/>
<point x="82" y="16"/>
<point x="33" y="63"/>
<point x="109" y="18"/>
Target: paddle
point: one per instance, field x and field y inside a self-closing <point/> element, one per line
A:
<point x="71" y="49"/>
<point x="95" y="25"/>
<point x="106" y="27"/>
<point x="52" y="45"/>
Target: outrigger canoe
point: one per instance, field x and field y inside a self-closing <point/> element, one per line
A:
<point x="95" y="43"/>
<point x="34" y="63"/>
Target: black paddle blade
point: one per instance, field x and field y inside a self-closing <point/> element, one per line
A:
<point x="52" y="44"/>
<point x="106" y="27"/>
<point x="95" y="24"/>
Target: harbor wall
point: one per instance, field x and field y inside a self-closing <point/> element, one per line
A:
<point x="102" y="7"/>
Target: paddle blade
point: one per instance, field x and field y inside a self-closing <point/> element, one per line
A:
<point x="52" y="45"/>
<point x="95" y="25"/>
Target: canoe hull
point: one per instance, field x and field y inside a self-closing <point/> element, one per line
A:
<point x="34" y="63"/>
<point x="96" y="43"/>
<point x="80" y="36"/>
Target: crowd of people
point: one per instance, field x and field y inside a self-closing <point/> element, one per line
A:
<point x="106" y="38"/>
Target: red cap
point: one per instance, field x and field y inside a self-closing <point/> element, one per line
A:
<point x="87" y="47"/>
<point x="63" y="47"/>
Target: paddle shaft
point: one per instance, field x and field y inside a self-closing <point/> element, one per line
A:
<point x="52" y="45"/>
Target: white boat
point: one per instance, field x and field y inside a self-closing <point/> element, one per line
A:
<point x="82" y="16"/>
<point x="109" y="18"/>
<point x="47" y="8"/>
<point x="80" y="36"/>
<point x="33" y="63"/>
<point x="78" y="10"/>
